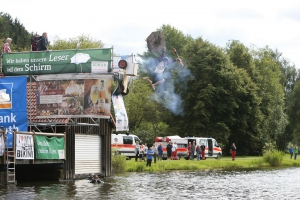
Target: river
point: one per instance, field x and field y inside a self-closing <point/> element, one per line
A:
<point x="175" y="185"/>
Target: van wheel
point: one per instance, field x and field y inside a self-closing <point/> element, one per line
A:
<point x="218" y="156"/>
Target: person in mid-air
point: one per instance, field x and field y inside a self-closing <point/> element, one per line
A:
<point x="157" y="77"/>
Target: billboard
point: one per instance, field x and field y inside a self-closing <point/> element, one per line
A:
<point x="73" y="96"/>
<point x="13" y="106"/>
<point x="57" y="62"/>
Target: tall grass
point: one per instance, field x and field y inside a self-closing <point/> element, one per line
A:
<point x="274" y="158"/>
<point x="118" y="162"/>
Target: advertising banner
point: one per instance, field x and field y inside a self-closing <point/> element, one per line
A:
<point x="57" y="62"/>
<point x="120" y="113"/>
<point x="49" y="147"/>
<point x="24" y="147"/>
<point x="13" y="106"/>
<point x="73" y="96"/>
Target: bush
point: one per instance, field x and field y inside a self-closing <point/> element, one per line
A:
<point x="274" y="158"/>
<point x="117" y="162"/>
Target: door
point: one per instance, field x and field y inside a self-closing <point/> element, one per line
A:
<point x="210" y="147"/>
<point x="87" y="154"/>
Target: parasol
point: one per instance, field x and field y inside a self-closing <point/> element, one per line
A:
<point x="79" y="58"/>
<point x="156" y="42"/>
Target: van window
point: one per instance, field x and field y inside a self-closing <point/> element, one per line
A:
<point x="216" y="144"/>
<point x="127" y="140"/>
<point x="203" y="141"/>
<point x="137" y="139"/>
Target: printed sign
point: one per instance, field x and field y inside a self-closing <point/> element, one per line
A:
<point x="24" y="147"/>
<point x="73" y="96"/>
<point x="49" y="147"/>
<point x="57" y="62"/>
<point x="120" y="113"/>
<point x="13" y="106"/>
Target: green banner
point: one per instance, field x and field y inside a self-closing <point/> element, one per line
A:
<point x="49" y="147"/>
<point x="57" y="62"/>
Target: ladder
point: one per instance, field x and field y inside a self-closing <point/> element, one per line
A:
<point x="11" y="162"/>
<point x="11" y="166"/>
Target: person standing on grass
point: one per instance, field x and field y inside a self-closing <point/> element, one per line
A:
<point x="145" y="152"/>
<point x="295" y="153"/>
<point x="203" y="151"/>
<point x="155" y="151"/>
<point x="149" y="157"/>
<point x="198" y="151"/>
<point x="137" y="150"/>
<point x="291" y="150"/>
<point x="169" y="150"/>
<point x="233" y="151"/>
<point x="160" y="151"/>
<point x="193" y="147"/>
<point x="141" y="152"/>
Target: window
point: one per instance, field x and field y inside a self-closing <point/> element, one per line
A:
<point x="127" y="140"/>
<point x="137" y="139"/>
<point x="216" y="144"/>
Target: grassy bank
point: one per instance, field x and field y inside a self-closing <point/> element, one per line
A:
<point x="225" y="163"/>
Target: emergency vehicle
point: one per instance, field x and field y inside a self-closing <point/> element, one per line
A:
<point x="181" y="146"/>
<point x="125" y="144"/>
<point x="212" y="148"/>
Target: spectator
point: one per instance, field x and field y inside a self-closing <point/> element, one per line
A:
<point x="155" y="151"/>
<point x="137" y="150"/>
<point x="145" y="151"/>
<point x="189" y="150"/>
<point x="295" y="153"/>
<point x="198" y="151"/>
<point x="149" y="157"/>
<point x="169" y="150"/>
<point x="160" y="150"/>
<point x="6" y="46"/>
<point x="193" y="150"/>
<point x="141" y="152"/>
<point x="176" y="148"/>
<point x="233" y="151"/>
<point x="291" y="150"/>
<point x="42" y="44"/>
<point x="203" y="151"/>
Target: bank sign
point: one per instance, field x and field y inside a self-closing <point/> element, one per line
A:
<point x="13" y="106"/>
<point x="57" y="62"/>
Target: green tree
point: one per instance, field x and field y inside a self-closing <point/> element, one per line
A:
<point x="14" y="29"/>
<point x="82" y="42"/>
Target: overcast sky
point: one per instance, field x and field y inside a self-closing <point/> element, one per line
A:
<point x="126" y="24"/>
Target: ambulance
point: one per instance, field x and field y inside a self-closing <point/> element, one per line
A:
<point x="182" y="151"/>
<point x="212" y="150"/>
<point x="125" y="144"/>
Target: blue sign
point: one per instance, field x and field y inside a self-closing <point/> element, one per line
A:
<point x="13" y="106"/>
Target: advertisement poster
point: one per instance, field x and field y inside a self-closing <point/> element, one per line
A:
<point x="24" y="146"/>
<point x="49" y="147"/>
<point x="57" y="62"/>
<point x="13" y="106"/>
<point x="120" y="113"/>
<point x="73" y="96"/>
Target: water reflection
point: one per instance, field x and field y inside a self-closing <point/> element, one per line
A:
<point x="267" y="184"/>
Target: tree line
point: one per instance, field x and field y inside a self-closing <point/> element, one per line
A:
<point x="240" y="94"/>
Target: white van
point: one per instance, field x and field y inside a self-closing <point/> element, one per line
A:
<point x="125" y="144"/>
<point x="212" y="150"/>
